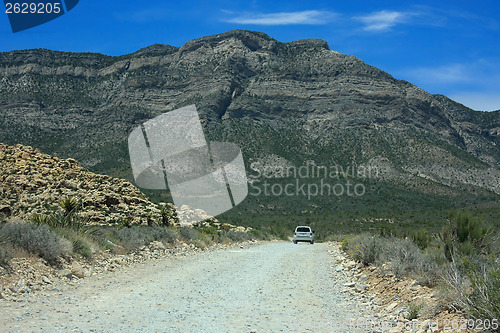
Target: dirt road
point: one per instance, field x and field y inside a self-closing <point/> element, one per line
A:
<point x="274" y="287"/>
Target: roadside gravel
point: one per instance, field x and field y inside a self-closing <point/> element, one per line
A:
<point x="274" y="287"/>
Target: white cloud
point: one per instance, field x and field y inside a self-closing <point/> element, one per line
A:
<point x="311" y="17"/>
<point x="382" y="20"/>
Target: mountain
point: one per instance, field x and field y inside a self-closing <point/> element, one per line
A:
<point x="284" y="104"/>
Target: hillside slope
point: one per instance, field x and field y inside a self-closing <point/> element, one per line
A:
<point x="33" y="183"/>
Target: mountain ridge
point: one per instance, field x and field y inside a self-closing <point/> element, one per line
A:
<point x="297" y="100"/>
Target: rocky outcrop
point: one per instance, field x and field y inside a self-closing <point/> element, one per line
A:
<point x="33" y="183"/>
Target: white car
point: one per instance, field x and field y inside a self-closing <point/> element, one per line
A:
<point x="303" y="234"/>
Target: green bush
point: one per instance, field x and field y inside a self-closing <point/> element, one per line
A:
<point x="421" y="238"/>
<point x="414" y="310"/>
<point x="39" y="240"/>
<point x="60" y="219"/>
<point x="466" y="235"/>
<point x="260" y="234"/>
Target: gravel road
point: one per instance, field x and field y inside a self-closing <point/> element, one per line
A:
<point x="273" y="287"/>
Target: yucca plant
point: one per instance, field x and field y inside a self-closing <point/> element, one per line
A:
<point x="165" y="216"/>
<point x="39" y="219"/>
<point x="70" y="205"/>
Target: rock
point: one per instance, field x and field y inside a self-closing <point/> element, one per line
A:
<point x="363" y="278"/>
<point x="400" y="309"/>
<point x="339" y="268"/>
<point x="46" y="280"/>
<point x="349" y="284"/>
<point x="391" y="306"/>
<point x="359" y="287"/>
<point x="157" y="245"/>
<point x="77" y="270"/>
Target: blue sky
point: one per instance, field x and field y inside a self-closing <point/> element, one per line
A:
<point x="446" y="47"/>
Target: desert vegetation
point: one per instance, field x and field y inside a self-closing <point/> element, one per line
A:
<point x="461" y="260"/>
<point x="66" y="232"/>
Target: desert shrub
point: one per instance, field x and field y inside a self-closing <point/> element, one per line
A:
<point x="369" y="249"/>
<point x="485" y="296"/>
<point x="474" y="285"/>
<point x="281" y="232"/>
<point x="60" y="219"/>
<point x="238" y="236"/>
<point x="260" y="234"/>
<point x="39" y="240"/>
<point x="404" y="255"/>
<point x="208" y="230"/>
<point x="405" y="258"/>
<point x="429" y="271"/>
<point x="81" y="246"/>
<point x="168" y="216"/>
<point x="81" y="243"/>
<point x="201" y="244"/>
<point x="132" y="238"/>
<point x="164" y="235"/>
<point x="136" y="236"/>
<point x="414" y="310"/>
<point x="40" y="219"/>
<point x="189" y="233"/>
<point x="364" y="248"/>
<point x="125" y="223"/>
<point x="5" y="256"/>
